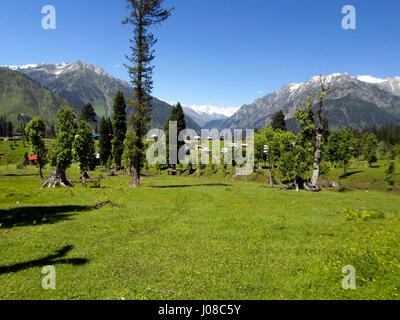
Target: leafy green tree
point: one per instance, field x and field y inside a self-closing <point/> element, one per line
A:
<point x="35" y="132"/>
<point x="83" y="147"/>
<point x="88" y="114"/>
<point x="25" y="160"/>
<point x="143" y="14"/>
<point x="287" y="154"/>
<point x="339" y="148"/>
<point x="278" y="121"/>
<point x="315" y="133"/>
<point x="130" y="152"/>
<point x="357" y="146"/>
<point x="119" y="127"/>
<point x="370" y="146"/>
<point x="303" y="146"/>
<point x="61" y="155"/>
<point x="105" y="141"/>
<point x="109" y="162"/>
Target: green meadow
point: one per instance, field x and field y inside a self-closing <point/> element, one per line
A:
<point x="198" y="238"/>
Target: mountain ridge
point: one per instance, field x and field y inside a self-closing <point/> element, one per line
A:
<point x="384" y="94"/>
<point x="21" y="95"/>
<point x="81" y="83"/>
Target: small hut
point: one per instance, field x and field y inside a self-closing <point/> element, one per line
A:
<point x="32" y="160"/>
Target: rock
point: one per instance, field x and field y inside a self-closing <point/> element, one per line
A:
<point x="334" y="184"/>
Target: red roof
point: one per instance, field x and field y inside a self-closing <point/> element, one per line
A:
<point x="32" y="158"/>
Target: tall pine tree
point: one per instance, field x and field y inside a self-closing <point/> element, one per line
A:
<point x="278" y="121"/>
<point x="143" y="14"/>
<point x="119" y="127"/>
<point x="178" y="116"/>
<point x="88" y="114"/>
<point x="106" y="135"/>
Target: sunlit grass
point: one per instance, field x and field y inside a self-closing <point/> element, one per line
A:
<point x="194" y="238"/>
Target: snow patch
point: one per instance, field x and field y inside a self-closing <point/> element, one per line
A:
<point x="295" y="86"/>
<point x="369" y="79"/>
<point x="27" y="66"/>
<point x="213" y="110"/>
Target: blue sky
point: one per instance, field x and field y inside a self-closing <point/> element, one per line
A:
<point x="213" y="52"/>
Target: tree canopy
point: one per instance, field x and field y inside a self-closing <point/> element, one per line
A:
<point x="35" y="132"/>
<point x="88" y="114"/>
<point x="278" y="121"/>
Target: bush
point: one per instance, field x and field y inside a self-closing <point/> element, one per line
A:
<point x="210" y="170"/>
<point x="389" y="178"/>
<point x="362" y="214"/>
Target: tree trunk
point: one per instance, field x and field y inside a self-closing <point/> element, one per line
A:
<point x="135" y="182"/>
<point x="40" y="172"/>
<point x="317" y="160"/>
<point x="358" y="160"/>
<point x="314" y="183"/>
<point x="57" y="178"/>
<point x="271" y="179"/>
<point x="300" y="184"/>
<point x="84" y="176"/>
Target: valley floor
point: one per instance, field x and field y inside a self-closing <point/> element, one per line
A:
<point x="193" y="238"/>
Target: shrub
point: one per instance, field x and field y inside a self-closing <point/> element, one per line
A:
<point x="362" y="214"/>
<point x="209" y="171"/>
<point x="389" y="178"/>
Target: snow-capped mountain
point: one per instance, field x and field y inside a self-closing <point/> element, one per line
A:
<point x="352" y="101"/>
<point x="81" y="82"/>
<point x="205" y="114"/>
<point x="60" y="68"/>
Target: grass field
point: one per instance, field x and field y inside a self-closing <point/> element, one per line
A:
<point x="196" y="238"/>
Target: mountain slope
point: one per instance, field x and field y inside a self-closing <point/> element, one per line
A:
<point x="347" y="94"/>
<point x="82" y="83"/>
<point x="21" y="95"/>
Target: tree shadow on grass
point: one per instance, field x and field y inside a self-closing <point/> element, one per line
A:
<point x="27" y="216"/>
<point x="192" y="185"/>
<point x="349" y="174"/>
<point x="19" y="175"/>
<point x="50" y="260"/>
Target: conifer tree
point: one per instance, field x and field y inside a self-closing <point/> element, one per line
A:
<point x="142" y="15"/>
<point x="105" y="144"/>
<point x="178" y="116"/>
<point x="119" y="128"/>
<point x="278" y="121"/>
<point x="88" y="114"/>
